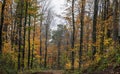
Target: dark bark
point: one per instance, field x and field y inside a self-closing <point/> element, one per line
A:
<point x="94" y="28"/>
<point x="29" y="41"/>
<point x="73" y="37"/>
<point x="41" y="20"/>
<point x="46" y="46"/>
<point x="81" y="32"/>
<point x="1" y="24"/>
<point x="20" y="34"/>
<point x="115" y="21"/>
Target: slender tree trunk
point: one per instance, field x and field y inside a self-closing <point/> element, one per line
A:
<point x="119" y="23"/>
<point x="12" y="29"/>
<point x="94" y="28"/>
<point x="29" y="41"/>
<point x="73" y="37"/>
<point x="46" y="45"/>
<point x="33" y="45"/>
<point x="24" y="36"/>
<point x="1" y="24"/>
<point x="41" y="20"/>
<point x="81" y="32"/>
<point x="20" y="33"/>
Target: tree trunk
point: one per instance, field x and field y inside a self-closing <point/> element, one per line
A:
<point x="46" y="45"/>
<point x="20" y="33"/>
<point x="94" y="28"/>
<point x="29" y="41"/>
<point x="1" y="24"/>
<point x="81" y="32"/>
<point x="24" y="36"/>
<point x="105" y="6"/>
<point x="41" y="21"/>
<point x="115" y="21"/>
<point x="33" y="45"/>
<point x="73" y="36"/>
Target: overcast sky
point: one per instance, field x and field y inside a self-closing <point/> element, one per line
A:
<point x="58" y="5"/>
<point x="58" y="8"/>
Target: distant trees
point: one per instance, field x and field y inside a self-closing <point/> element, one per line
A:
<point x="47" y="29"/>
<point x="57" y="38"/>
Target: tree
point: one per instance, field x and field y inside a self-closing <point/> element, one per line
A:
<point x="1" y="24"/>
<point x="73" y="36"/>
<point x="115" y="21"/>
<point x="20" y="33"/>
<point x="24" y="36"/>
<point x="47" y="26"/>
<point x="29" y="31"/>
<point x="81" y="31"/>
<point x="104" y="14"/>
<point x="94" y="28"/>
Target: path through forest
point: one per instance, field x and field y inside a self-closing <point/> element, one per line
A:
<point x="109" y="70"/>
<point x="49" y="72"/>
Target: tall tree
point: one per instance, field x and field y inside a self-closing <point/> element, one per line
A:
<point x="41" y="42"/>
<point x="81" y="31"/>
<point x="24" y="36"/>
<point x="48" y="22"/>
<point x="94" y="28"/>
<point x="115" y="20"/>
<point x="73" y="36"/>
<point x="104" y="14"/>
<point x="20" y="32"/>
<point x="33" y="44"/>
<point x="1" y="24"/>
<point x="29" y="31"/>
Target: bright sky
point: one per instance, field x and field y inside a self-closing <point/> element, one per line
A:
<point x="58" y="5"/>
<point x="58" y="8"/>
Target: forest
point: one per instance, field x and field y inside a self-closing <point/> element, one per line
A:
<point x="59" y="36"/>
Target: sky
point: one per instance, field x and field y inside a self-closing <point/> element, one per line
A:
<point x="58" y="8"/>
<point x="58" y="5"/>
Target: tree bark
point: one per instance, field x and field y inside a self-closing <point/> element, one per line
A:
<point x="94" y="28"/>
<point x="41" y="21"/>
<point x="29" y="41"/>
<point x="81" y="32"/>
<point x="20" y="34"/>
<point x="73" y="37"/>
<point x="46" y="46"/>
<point x="24" y="36"/>
<point x="1" y="24"/>
<point x="115" y="21"/>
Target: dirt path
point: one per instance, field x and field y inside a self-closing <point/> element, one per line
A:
<point x="50" y="72"/>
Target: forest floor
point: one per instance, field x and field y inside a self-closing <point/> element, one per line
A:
<point x="50" y="72"/>
<point x="109" y="70"/>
